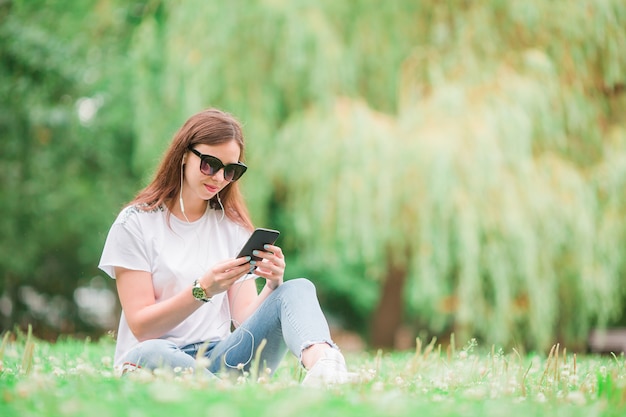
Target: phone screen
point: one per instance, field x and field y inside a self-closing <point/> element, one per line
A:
<point x="258" y="239"/>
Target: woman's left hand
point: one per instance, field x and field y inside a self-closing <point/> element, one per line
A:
<point x="272" y="265"/>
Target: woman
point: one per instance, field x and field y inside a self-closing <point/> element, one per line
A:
<point x="171" y="252"/>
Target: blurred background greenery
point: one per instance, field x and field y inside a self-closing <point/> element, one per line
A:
<point x="434" y="166"/>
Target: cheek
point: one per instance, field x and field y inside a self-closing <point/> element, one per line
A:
<point x="190" y="174"/>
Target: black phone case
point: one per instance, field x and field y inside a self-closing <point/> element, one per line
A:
<point x="258" y="239"/>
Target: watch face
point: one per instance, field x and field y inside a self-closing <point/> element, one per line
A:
<point x="198" y="293"/>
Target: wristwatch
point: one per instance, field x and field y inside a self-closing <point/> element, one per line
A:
<point x="198" y="292"/>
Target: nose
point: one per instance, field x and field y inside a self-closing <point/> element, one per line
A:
<point x="219" y="175"/>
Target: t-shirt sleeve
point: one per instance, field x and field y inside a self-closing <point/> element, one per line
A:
<point x="124" y="247"/>
<point x="240" y="237"/>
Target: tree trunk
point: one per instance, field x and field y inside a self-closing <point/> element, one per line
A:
<point x="388" y="314"/>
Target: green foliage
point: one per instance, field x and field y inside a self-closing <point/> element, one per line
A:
<point x="260" y="60"/>
<point x="54" y="202"/>
<point x="485" y="183"/>
<point x="339" y="166"/>
<point x="516" y="221"/>
<point x="477" y="147"/>
<point x="526" y="248"/>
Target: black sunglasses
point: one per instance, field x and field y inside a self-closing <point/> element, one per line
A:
<point x="210" y="165"/>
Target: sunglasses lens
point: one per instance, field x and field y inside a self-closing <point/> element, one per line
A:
<point x="229" y="173"/>
<point x="234" y="172"/>
<point x="210" y="165"/>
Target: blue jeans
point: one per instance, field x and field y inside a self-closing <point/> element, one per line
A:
<point x="289" y="319"/>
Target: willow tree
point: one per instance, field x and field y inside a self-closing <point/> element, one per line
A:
<point x="510" y="222"/>
<point x="260" y="61"/>
<point x="482" y="192"/>
<point x="493" y="238"/>
<point x="263" y="61"/>
<point x="538" y="119"/>
<point x="441" y="164"/>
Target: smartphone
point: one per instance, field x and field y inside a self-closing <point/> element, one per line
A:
<point x="258" y="239"/>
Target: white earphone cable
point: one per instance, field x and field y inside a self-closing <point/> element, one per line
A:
<point x="231" y="320"/>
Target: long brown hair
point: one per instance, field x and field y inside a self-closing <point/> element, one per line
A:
<point x="210" y="127"/>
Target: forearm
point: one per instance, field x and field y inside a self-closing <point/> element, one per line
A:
<point x="243" y="310"/>
<point x="154" y="320"/>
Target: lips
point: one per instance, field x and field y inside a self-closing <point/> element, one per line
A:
<point x="211" y="188"/>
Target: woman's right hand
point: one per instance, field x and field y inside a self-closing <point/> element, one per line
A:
<point x="148" y="319"/>
<point x="223" y="275"/>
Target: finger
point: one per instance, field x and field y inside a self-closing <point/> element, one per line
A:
<point x="238" y="271"/>
<point x="271" y="257"/>
<point x="276" y="250"/>
<point x="269" y="268"/>
<point x="242" y="262"/>
<point x="264" y="273"/>
<point x="275" y="264"/>
<point x="226" y="276"/>
<point x="268" y="251"/>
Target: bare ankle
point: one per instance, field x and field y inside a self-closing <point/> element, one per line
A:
<point x="313" y="353"/>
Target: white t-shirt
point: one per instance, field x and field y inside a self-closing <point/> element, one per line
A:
<point x="176" y="255"/>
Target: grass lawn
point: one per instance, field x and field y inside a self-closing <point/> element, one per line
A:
<point x="75" y="378"/>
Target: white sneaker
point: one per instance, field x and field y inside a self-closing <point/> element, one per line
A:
<point x="329" y="370"/>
